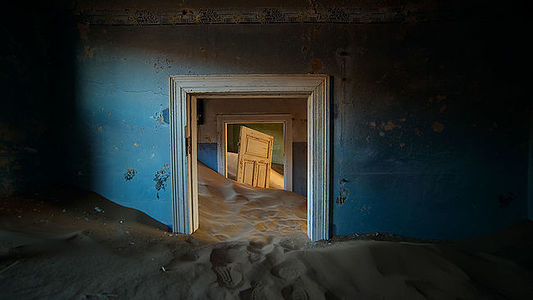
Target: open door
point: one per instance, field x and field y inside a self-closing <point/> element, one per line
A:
<point x="255" y="158"/>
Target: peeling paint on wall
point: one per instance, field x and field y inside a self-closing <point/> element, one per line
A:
<point x="316" y="65"/>
<point x="506" y="198"/>
<point x="130" y="173"/>
<point x="165" y="113"/>
<point x="88" y="52"/>
<point x="160" y="64"/>
<point x="160" y="179"/>
<point x="343" y="195"/>
<point x="438" y="127"/>
<point x="389" y="126"/>
<point x="161" y="117"/>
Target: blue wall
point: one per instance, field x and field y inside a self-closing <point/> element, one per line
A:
<point x="430" y="129"/>
<point x="121" y="98"/>
<point x="420" y="147"/>
<point x="299" y="168"/>
<point x="207" y="154"/>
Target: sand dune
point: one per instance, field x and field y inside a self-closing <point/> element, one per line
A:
<point x="57" y="246"/>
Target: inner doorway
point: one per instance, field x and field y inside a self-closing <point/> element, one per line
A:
<point x="287" y="136"/>
<point x="252" y="154"/>
<point x="184" y="92"/>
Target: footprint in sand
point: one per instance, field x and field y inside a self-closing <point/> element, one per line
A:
<point x="275" y="256"/>
<point x="289" y="270"/>
<point x="256" y="292"/>
<point x="299" y="293"/>
<point x="228" y="276"/>
<point x="254" y="257"/>
<point x="190" y="255"/>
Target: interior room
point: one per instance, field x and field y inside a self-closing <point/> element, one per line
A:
<point x="220" y="121"/>
<point x="270" y="149"/>
<point x="234" y="140"/>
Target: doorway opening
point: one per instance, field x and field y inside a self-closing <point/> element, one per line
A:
<point x="236" y="141"/>
<point x="280" y="127"/>
<point x="184" y="94"/>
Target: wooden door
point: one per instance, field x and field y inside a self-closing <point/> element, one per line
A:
<point x="255" y="158"/>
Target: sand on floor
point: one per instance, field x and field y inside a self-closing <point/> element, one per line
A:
<point x="69" y="244"/>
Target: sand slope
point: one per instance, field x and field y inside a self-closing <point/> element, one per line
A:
<point x="233" y="211"/>
<point x="57" y="246"/>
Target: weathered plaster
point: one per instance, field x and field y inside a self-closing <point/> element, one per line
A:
<point x="411" y="167"/>
<point x="430" y="130"/>
<point x="285" y="13"/>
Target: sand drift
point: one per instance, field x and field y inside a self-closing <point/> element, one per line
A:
<point x="67" y="244"/>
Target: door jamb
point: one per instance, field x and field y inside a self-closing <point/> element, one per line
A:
<point x="316" y="87"/>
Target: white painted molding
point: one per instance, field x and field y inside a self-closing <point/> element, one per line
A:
<point x="178" y="159"/>
<point x="313" y="86"/>
<point x="285" y="119"/>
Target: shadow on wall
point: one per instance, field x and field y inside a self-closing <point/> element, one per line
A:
<point x="423" y="143"/>
<point x="530" y="170"/>
<point x="38" y="130"/>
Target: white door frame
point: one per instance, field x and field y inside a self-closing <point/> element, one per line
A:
<point x="183" y="93"/>
<point x="285" y="119"/>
